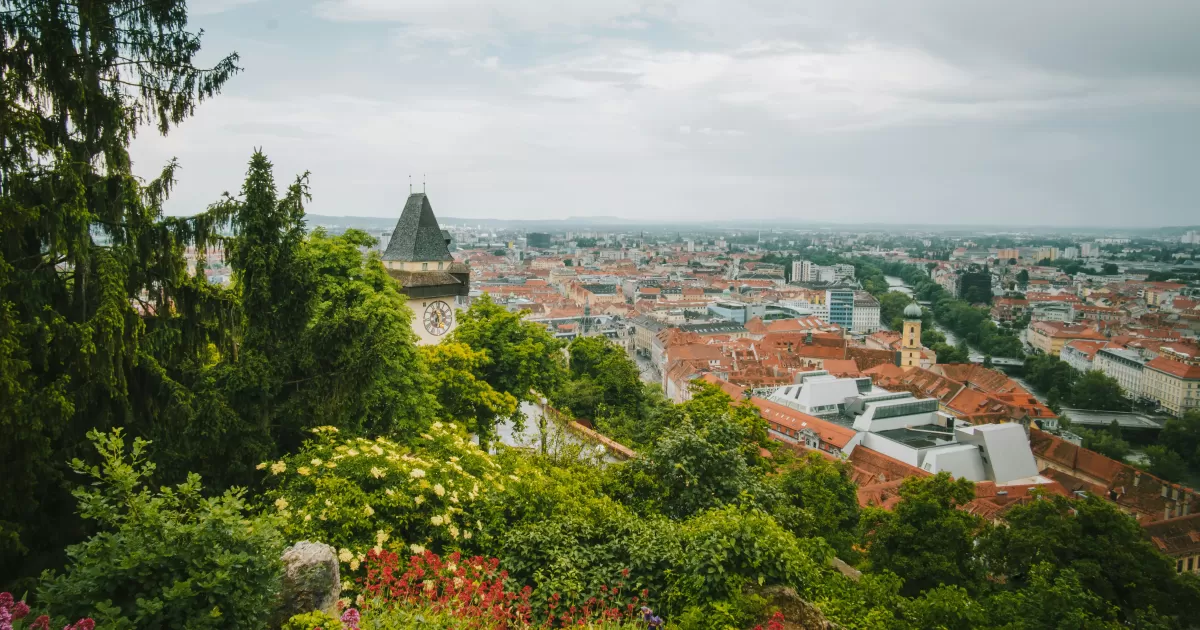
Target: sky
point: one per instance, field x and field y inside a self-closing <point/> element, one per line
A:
<point x="1070" y="112"/>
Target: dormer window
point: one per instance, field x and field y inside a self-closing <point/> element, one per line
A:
<point x="424" y="266"/>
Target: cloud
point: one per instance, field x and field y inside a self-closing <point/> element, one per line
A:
<point x="931" y="109"/>
<point x="210" y="7"/>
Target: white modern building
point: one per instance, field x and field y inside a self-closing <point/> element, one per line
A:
<point x="822" y="409"/>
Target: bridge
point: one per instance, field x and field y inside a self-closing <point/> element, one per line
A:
<point x="1093" y="418"/>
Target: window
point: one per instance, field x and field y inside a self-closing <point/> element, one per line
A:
<point x="439" y="266"/>
<point x="424" y="266"/>
<point x="1189" y="565"/>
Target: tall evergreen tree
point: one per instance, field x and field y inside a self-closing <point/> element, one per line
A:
<point x="82" y="241"/>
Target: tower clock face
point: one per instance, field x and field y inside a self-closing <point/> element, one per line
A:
<point x="439" y="317"/>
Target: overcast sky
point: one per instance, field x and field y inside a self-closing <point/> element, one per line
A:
<point x="1055" y="112"/>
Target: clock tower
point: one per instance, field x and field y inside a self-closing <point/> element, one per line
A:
<point x="418" y="256"/>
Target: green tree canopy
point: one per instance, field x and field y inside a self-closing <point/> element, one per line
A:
<point x="927" y="539"/>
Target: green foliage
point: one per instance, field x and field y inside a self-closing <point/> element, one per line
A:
<point x="171" y="558"/>
<point x="604" y="381"/>
<point x="523" y="358"/>
<point x="1182" y="435"/>
<point x="1054" y="599"/>
<point x="726" y="549"/>
<point x="1090" y="390"/>
<point x="456" y="378"/>
<point x="315" y="620"/>
<point x="818" y="499"/>
<point x="82" y="240"/>
<point x="1096" y="390"/>
<point x="1108" y="443"/>
<point x="1166" y="463"/>
<point x="976" y="287"/>
<point x="891" y="306"/>
<point x="709" y="459"/>
<point x="945" y="607"/>
<point x="927" y="540"/>
<point x="1103" y="548"/>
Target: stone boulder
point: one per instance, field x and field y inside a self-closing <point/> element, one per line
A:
<point x="798" y="614"/>
<point x="311" y="580"/>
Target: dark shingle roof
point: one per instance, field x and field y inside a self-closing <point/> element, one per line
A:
<point x="417" y="236"/>
<point x="409" y="279"/>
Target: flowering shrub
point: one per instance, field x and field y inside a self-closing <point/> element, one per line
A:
<point x="361" y="495"/>
<point x="476" y="593"/>
<point x="12" y="611"/>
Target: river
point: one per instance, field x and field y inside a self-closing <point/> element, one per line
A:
<point x="897" y="284"/>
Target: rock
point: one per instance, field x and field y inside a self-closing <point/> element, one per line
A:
<point x="798" y="614"/>
<point x="311" y="580"/>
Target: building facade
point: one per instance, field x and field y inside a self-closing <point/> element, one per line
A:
<point x="866" y="313"/>
<point x="841" y="307"/>
<point x="1126" y="366"/>
<point x="1175" y="385"/>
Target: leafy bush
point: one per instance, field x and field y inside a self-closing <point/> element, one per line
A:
<point x="166" y="559"/>
<point x="726" y="548"/>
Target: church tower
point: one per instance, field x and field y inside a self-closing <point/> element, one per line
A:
<point x="418" y="256"/>
<point x="910" y="340"/>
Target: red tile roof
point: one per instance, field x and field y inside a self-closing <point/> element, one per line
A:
<point x="774" y="413"/>
<point x="1178" y="369"/>
<point x="1178" y="536"/>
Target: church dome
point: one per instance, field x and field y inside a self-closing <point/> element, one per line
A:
<point x="912" y="311"/>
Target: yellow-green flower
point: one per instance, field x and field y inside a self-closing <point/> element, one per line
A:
<point x="261" y="466"/>
<point x="345" y="555"/>
<point x="438" y="489"/>
<point x="303" y="470"/>
<point x="377" y="473"/>
<point x="436" y="520"/>
<point x="278" y="467"/>
<point x="368" y="510"/>
<point x="415" y="548"/>
<point x="416" y="473"/>
<point x="419" y="499"/>
<point x="316" y="461"/>
<point x="281" y="503"/>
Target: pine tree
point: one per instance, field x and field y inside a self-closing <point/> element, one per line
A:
<point x="82" y="241"/>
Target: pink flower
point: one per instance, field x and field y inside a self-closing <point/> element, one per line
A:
<point x="86" y="623"/>
<point x="19" y="610"/>
<point x="350" y="618"/>
<point x="41" y="623"/>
